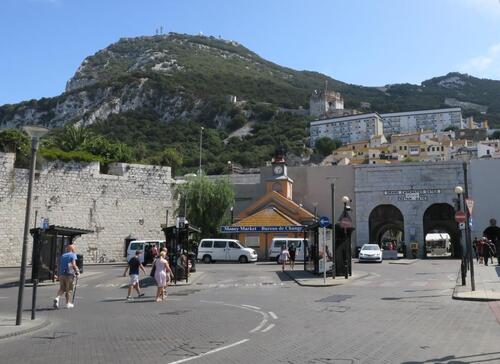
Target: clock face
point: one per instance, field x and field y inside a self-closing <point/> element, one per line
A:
<point x="278" y="169"/>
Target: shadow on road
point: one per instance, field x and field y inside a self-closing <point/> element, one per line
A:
<point x="452" y="359"/>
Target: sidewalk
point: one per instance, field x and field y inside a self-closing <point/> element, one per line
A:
<point x="308" y="279"/>
<point x="487" y="280"/>
<point x="8" y="326"/>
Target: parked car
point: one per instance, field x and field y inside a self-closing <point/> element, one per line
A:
<point x="144" y="246"/>
<point x="225" y="249"/>
<point x="277" y="243"/>
<point x="370" y="253"/>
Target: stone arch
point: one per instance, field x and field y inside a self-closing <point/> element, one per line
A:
<point x="382" y="219"/>
<point x="440" y="217"/>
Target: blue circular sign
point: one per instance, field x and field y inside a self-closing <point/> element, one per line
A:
<point x="324" y="221"/>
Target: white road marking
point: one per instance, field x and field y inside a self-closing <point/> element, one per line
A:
<point x="254" y="307"/>
<point x="268" y="328"/>
<point x="210" y="352"/>
<point x="273" y="315"/>
<point x="261" y="325"/>
<point x="217" y="302"/>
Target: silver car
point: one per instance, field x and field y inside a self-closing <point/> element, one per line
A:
<point x="370" y="253"/>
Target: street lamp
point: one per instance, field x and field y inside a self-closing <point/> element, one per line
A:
<point x="201" y="146"/>
<point x="347" y="257"/>
<point x="463" y="267"/>
<point x="35" y="132"/>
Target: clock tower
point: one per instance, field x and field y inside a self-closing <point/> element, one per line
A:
<point x="280" y="182"/>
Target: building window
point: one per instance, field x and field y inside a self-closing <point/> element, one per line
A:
<point x="252" y="241"/>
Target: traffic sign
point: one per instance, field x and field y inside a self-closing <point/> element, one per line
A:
<point x="345" y="222"/>
<point x="45" y="224"/>
<point x="470" y="204"/>
<point x="324" y="221"/>
<point x="461" y="226"/>
<point x="460" y="216"/>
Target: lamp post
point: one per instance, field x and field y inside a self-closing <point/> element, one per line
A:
<point x="35" y="132"/>
<point x="201" y="146"/>
<point x="345" y="201"/>
<point x="467" y="230"/>
<point x="463" y="267"/>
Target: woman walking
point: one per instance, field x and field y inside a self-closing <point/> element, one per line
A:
<point x="162" y="273"/>
<point x="284" y="256"/>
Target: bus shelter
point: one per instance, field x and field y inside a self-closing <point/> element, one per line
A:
<point x="177" y="241"/>
<point x="48" y="245"/>
<point x="335" y="252"/>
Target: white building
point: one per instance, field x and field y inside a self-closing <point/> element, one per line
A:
<point x="409" y="121"/>
<point x="347" y="129"/>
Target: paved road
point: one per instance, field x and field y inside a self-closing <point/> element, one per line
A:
<point x="254" y="314"/>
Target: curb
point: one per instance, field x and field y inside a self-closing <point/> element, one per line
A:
<point x="456" y="296"/>
<point x="41" y="325"/>
<point x="332" y="284"/>
<point x="477" y="299"/>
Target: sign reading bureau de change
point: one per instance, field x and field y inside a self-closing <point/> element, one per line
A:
<point x="412" y="194"/>
<point x="261" y="229"/>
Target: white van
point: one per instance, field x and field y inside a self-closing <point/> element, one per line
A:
<point x="225" y="249"/>
<point x="145" y="247"/>
<point x="277" y="243"/>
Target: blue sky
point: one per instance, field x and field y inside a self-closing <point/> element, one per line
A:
<point x="367" y="42"/>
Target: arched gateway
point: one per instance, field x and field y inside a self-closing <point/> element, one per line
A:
<point x="440" y="218"/>
<point x="386" y="222"/>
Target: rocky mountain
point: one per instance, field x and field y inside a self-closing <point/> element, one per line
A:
<point x="179" y="77"/>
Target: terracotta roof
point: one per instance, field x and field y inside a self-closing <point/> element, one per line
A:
<point x="283" y="204"/>
<point x="270" y="216"/>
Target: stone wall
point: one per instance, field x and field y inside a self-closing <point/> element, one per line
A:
<point x="131" y="200"/>
<point x="379" y="185"/>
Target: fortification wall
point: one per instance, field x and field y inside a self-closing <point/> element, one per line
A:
<point x="131" y="200"/>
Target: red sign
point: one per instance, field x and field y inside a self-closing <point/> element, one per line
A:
<point x="345" y="223"/>
<point x="460" y="216"/>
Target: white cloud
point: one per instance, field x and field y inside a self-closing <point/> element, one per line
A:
<point x="486" y="65"/>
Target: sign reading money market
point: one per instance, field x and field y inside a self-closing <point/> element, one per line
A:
<point x="262" y="229"/>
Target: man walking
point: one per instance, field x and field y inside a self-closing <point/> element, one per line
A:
<point x="134" y="264"/>
<point x="67" y="272"/>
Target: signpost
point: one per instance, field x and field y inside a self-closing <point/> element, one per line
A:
<point x="345" y="223"/>
<point x="460" y="216"/>
<point x="323" y="223"/>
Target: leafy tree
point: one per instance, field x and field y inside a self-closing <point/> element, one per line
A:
<point x="325" y="146"/>
<point x="451" y="128"/>
<point x="71" y="137"/>
<point x="169" y="157"/>
<point x="496" y="134"/>
<point x="206" y="203"/>
<point x="15" y="141"/>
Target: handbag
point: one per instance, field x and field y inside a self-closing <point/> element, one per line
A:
<point x="153" y="269"/>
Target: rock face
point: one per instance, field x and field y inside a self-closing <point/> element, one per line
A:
<point x="184" y="77"/>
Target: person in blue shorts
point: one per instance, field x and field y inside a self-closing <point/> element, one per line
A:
<point x="67" y="272"/>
